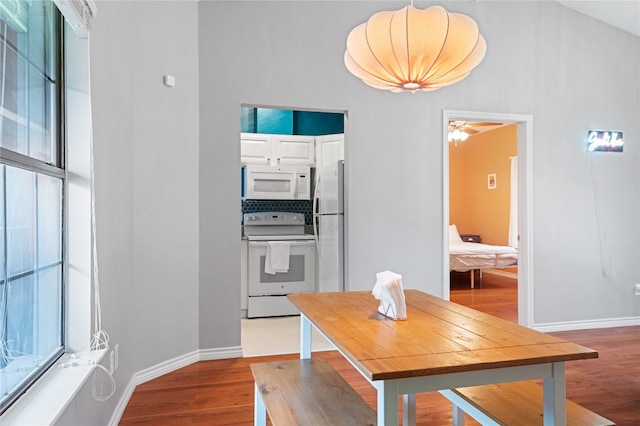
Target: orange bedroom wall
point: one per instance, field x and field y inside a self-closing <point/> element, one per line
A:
<point x="473" y="207"/>
<point x="458" y="177"/>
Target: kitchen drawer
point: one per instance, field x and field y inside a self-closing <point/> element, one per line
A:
<point x="471" y="238"/>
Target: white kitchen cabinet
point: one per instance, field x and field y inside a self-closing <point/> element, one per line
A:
<point x="255" y="148"/>
<point x="329" y="149"/>
<point x="294" y="150"/>
<point x="291" y="150"/>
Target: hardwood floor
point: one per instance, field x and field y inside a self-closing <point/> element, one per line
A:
<point x="494" y="295"/>
<point x="220" y="392"/>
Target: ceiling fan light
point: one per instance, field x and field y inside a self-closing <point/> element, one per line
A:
<point x="457" y="135"/>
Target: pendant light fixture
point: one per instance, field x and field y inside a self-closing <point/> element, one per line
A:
<point x="414" y="50"/>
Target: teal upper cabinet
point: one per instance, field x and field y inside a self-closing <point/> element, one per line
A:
<point x="288" y="122"/>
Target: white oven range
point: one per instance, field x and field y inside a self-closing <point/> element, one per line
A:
<point x="267" y="292"/>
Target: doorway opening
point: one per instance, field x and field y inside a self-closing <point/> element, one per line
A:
<point x="303" y="142"/>
<point x="510" y="226"/>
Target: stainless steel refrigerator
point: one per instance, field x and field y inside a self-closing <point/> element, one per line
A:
<point x="329" y="226"/>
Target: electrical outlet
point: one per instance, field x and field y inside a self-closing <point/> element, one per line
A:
<point x="117" y="356"/>
<point x="637" y="289"/>
<point x="111" y="362"/>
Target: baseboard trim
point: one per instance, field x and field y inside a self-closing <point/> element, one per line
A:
<point x="587" y="325"/>
<point x="122" y="404"/>
<point x="222" y="353"/>
<point x="166" y="367"/>
<point x="499" y="273"/>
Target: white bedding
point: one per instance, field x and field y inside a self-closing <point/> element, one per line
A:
<point x="466" y="256"/>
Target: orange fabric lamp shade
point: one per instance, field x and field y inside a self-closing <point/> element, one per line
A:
<point x="414" y="50"/>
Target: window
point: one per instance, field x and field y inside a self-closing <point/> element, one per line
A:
<point x="31" y="194"/>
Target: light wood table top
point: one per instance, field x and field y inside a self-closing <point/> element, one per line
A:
<point x="438" y="337"/>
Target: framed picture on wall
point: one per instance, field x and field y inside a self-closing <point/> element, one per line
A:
<point x="491" y="181"/>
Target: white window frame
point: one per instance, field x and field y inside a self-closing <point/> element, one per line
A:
<point x="54" y="169"/>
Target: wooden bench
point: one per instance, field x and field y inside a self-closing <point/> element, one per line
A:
<point x="306" y="392"/>
<point x="514" y="404"/>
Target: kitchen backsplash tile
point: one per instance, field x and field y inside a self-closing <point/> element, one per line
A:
<point x="293" y="206"/>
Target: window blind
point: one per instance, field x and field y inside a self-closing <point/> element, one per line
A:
<point x="78" y="13"/>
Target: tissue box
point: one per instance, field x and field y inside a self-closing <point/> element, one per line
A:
<point x="388" y="289"/>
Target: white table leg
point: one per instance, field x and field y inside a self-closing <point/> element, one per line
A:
<point x="409" y="409"/>
<point x="387" y="402"/>
<point x="305" y="337"/>
<point x="458" y="416"/>
<point x="555" y="397"/>
<point x="259" y="410"/>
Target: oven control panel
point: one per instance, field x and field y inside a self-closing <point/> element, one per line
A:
<point x="273" y="218"/>
<point x="273" y="223"/>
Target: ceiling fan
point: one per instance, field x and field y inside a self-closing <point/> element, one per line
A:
<point x="461" y="130"/>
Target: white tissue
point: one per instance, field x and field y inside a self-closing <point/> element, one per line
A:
<point x="388" y="290"/>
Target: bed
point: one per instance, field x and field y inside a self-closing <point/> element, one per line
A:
<point x="465" y="256"/>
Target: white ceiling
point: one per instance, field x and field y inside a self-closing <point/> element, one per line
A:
<point x="623" y="14"/>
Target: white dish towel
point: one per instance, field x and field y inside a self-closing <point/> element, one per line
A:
<point x="388" y="290"/>
<point x="277" y="259"/>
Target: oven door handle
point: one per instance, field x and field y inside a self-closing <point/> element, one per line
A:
<point x="293" y="243"/>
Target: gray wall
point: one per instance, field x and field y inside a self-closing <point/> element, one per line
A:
<point x="146" y="171"/>
<point x="146" y="180"/>
<point x="570" y="72"/>
<point x="167" y="160"/>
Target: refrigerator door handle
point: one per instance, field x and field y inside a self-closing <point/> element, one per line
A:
<point x="315" y="214"/>
<point x="315" y="236"/>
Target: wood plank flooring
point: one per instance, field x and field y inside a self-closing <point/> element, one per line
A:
<point x="220" y="392"/>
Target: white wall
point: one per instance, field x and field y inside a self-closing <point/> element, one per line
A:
<point x="167" y="160"/>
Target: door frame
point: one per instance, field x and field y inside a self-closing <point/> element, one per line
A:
<point x="345" y="241"/>
<point x="525" y="193"/>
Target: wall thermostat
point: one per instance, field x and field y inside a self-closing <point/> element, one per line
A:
<point x="169" y="80"/>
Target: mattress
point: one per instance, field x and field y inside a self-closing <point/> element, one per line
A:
<point x="466" y="256"/>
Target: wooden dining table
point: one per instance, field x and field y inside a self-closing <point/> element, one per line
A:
<point x="440" y="346"/>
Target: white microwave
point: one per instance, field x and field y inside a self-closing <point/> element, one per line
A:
<point x="264" y="182"/>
